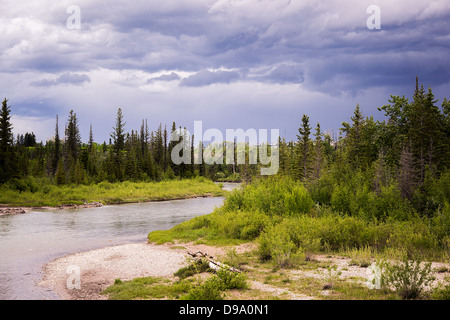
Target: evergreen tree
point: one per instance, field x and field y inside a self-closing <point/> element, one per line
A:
<point x="73" y="138"/>
<point x="425" y="131"/>
<point x="91" y="139"/>
<point x="118" y="134"/>
<point x="116" y="157"/>
<point x="303" y="149"/>
<point x="318" y="152"/>
<point x="353" y="137"/>
<point x="8" y="164"/>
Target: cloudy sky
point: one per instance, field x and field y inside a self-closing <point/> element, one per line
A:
<point x="229" y="63"/>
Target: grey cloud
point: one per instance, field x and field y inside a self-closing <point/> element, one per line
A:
<point x="65" y="78"/>
<point x="165" y="77"/>
<point x="206" y="77"/>
<point x="286" y="74"/>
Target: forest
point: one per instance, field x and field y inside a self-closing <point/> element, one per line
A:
<point x="377" y="168"/>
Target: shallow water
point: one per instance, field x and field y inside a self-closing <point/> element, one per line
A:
<point x="28" y="241"/>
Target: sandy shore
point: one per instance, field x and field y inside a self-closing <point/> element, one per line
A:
<point x="99" y="268"/>
<point x="82" y="276"/>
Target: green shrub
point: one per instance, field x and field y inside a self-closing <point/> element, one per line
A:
<point x="281" y="196"/>
<point x="407" y="278"/>
<point x="321" y="190"/>
<point x="232" y="280"/>
<point x="340" y="199"/>
<point x="242" y="225"/>
<point x="193" y="268"/>
<point x="441" y="292"/>
<point x="211" y="289"/>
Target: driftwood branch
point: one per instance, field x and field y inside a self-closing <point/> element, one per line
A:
<point x="213" y="264"/>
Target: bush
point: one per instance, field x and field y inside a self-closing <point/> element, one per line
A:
<point x="273" y="196"/>
<point x="242" y="225"/>
<point x="408" y="278"/>
<point x="211" y="289"/>
<point x="196" y="267"/>
<point x="232" y="280"/>
<point x="441" y="292"/>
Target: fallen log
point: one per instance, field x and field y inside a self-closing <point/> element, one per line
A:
<point x="213" y="264"/>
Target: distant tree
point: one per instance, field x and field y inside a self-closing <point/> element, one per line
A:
<point x="303" y="149"/>
<point x="425" y="131"/>
<point x="8" y="164"/>
<point x="91" y="139"/>
<point x="353" y="137"/>
<point x="318" y="152"/>
<point x="73" y="138"/>
<point x="56" y="149"/>
<point x="118" y="134"/>
<point x="115" y="160"/>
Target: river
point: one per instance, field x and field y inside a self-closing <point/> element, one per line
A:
<point x="28" y="241"/>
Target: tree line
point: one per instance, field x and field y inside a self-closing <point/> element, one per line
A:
<point x="408" y="152"/>
<point x="403" y="159"/>
<point x="139" y="155"/>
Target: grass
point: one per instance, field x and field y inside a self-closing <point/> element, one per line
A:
<point x="108" y="193"/>
<point x="317" y="278"/>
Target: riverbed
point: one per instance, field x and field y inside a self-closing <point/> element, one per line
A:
<point x="28" y="241"/>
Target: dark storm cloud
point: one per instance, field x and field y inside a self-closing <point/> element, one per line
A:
<point x="285" y="51"/>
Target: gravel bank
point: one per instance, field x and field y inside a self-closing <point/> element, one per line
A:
<point x="97" y="269"/>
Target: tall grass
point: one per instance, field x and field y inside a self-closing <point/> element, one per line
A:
<point x="281" y="217"/>
<point x="46" y="194"/>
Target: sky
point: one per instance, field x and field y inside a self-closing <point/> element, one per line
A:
<point x="249" y="64"/>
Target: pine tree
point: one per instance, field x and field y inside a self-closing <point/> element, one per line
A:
<point x="303" y="149"/>
<point x="318" y="152"/>
<point x="116" y="157"/>
<point x="353" y="138"/>
<point x="73" y="138"/>
<point x="91" y="139"/>
<point x="425" y="131"/>
<point x="8" y="163"/>
<point x="118" y="134"/>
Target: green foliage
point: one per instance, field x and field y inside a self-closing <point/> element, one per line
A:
<point x="34" y="192"/>
<point x="213" y="287"/>
<point x="441" y="292"/>
<point x="193" y="268"/>
<point x="273" y="196"/>
<point x="407" y="278"/>
<point x="146" y="288"/>
<point x="232" y="280"/>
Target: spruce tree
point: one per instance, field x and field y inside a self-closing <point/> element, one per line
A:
<point x="118" y="134"/>
<point x="318" y="152"/>
<point x="8" y="164"/>
<point x="303" y="149"/>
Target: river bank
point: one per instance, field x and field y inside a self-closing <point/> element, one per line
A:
<point x="48" y="195"/>
<point x="98" y="269"/>
<point x="7" y="210"/>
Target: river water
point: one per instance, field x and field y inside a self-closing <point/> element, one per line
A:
<point x="28" y="241"/>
